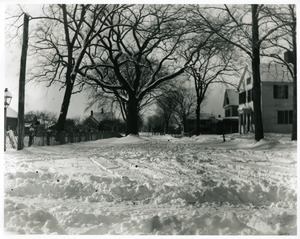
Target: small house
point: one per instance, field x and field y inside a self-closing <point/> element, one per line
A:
<point x="230" y="106"/>
<point x="11" y="119"/>
<point x="95" y="120"/>
<point x="206" y="123"/>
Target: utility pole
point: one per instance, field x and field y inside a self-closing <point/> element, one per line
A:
<point x="22" y="84"/>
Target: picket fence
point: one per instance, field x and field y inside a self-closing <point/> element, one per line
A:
<point x="62" y="138"/>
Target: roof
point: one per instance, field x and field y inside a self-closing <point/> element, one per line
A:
<point x="99" y="116"/>
<point x="271" y="72"/>
<point x="102" y="116"/>
<point x="275" y="73"/>
<point x="203" y="116"/>
<point x="10" y="113"/>
<point x="233" y="97"/>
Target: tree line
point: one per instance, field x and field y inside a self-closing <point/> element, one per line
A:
<point x="132" y="55"/>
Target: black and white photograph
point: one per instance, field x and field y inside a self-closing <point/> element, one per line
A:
<point x="149" y="118"/>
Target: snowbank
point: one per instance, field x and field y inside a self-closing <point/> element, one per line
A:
<point x="129" y="139"/>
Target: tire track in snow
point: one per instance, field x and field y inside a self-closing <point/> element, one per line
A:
<point x="109" y="170"/>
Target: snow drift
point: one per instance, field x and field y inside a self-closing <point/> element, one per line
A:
<point x="154" y="185"/>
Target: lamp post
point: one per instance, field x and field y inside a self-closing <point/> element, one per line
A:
<point x="221" y="120"/>
<point x="7" y="100"/>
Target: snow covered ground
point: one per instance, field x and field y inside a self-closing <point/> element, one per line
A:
<point x="154" y="185"/>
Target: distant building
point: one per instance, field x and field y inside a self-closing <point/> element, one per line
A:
<point x="95" y="121"/>
<point x="230" y="106"/>
<point x="12" y="122"/>
<point x="12" y="119"/>
<point x="207" y="123"/>
<point x="276" y="99"/>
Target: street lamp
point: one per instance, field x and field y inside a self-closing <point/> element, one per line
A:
<point x="7" y="100"/>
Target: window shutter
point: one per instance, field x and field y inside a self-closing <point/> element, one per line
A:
<point x="286" y="91"/>
<point x="286" y="116"/>
<point x="280" y="117"/>
<point x="275" y="91"/>
<point x="290" y="116"/>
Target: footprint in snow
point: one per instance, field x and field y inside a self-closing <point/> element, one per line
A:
<point x="125" y="179"/>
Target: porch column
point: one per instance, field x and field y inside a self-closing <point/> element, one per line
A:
<point x="244" y="123"/>
<point x="248" y="122"/>
<point x="240" y="123"/>
<point x="251" y="120"/>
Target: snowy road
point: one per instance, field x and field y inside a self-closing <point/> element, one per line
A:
<point x="154" y="185"/>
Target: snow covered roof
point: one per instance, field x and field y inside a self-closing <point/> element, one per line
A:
<point x="100" y="116"/>
<point x="269" y="72"/>
<point x="233" y="97"/>
<point x="11" y="113"/>
<point x="275" y="72"/>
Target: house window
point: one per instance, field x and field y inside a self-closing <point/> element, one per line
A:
<point x="235" y="112"/>
<point x="248" y="81"/>
<point x="227" y="113"/>
<point x="280" y="92"/>
<point x="242" y="97"/>
<point x="285" y="116"/>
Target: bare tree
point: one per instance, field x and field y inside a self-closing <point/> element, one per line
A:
<point x="137" y="53"/>
<point x="43" y="117"/>
<point x="186" y="100"/>
<point x="127" y="50"/>
<point x="62" y="34"/>
<point x="114" y="99"/>
<point x="155" y="124"/>
<point x="210" y="63"/>
<point x="101" y="99"/>
<point x="166" y="107"/>
<point x="57" y="49"/>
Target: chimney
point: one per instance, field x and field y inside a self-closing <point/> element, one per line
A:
<point x="92" y="113"/>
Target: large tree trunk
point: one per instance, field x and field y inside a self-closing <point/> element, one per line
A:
<point x="167" y="122"/>
<point x="294" y="127"/>
<point x="198" y="118"/>
<point x="60" y="126"/>
<point x="70" y="79"/>
<point x="184" y="124"/>
<point x="132" y="125"/>
<point x="259" y="132"/>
